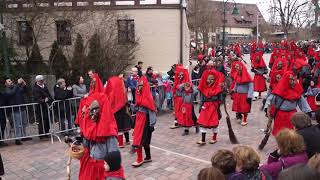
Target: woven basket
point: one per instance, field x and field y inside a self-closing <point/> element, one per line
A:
<point x="76" y="151"/>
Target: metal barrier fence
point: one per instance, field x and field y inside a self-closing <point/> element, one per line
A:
<point x="47" y="121"/>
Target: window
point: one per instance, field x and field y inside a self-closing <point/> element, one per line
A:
<point x="126" y="33"/>
<point x="25" y="33"/>
<point x="64" y="32"/>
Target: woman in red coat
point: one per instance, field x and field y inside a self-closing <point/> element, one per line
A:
<point x="259" y="68"/>
<point x="181" y="76"/>
<point x="211" y="88"/>
<point x="145" y="121"/>
<point x="242" y="94"/>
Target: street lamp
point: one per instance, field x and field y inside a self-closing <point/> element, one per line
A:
<point x="4" y="40"/>
<point x="235" y="11"/>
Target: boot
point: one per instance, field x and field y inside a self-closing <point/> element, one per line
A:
<point x="185" y="132"/>
<point x="197" y="129"/>
<point x="120" y="141"/>
<point x="139" y="160"/>
<point x="175" y="125"/>
<point x="203" y="140"/>
<point x="244" y="121"/>
<point x="126" y="135"/>
<point x="148" y="153"/>
<point x="214" y="138"/>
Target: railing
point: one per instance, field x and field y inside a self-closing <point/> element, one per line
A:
<point x="48" y="121"/>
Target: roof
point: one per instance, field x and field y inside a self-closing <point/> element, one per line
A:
<point x="247" y="17"/>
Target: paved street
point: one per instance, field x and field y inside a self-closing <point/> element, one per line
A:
<point x="174" y="156"/>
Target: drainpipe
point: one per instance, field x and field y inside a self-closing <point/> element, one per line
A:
<point x="181" y="33"/>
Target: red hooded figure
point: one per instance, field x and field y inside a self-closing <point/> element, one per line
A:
<point x="242" y="93"/>
<point x="98" y="127"/>
<point x="259" y="68"/>
<point x="237" y="50"/>
<point x="284" y="100"/>
<point x="96" y="84"/>
<point x="117" y="95"/>
<point x="145" y="121"/>
<point x="181" y="76"/>
<point x="274" y="56"/>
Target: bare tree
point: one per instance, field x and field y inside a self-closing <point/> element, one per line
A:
<point x="290" y="13"/>
<point x="202" y="18"/>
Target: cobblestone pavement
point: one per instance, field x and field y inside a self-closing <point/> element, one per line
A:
<point x="174" y="156"/>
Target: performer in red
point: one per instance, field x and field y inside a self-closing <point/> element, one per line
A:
<point x="145" y="121"/>
<point x="237" y="50"/>
<point x="181" y="76"/>
<point x="242" y="94"/>
<point x="189" y="117"/>
<point x="259" y="68"/>
<point x="99" y="130"/>
<point x="274" y="56"/>
<point x="312" y="92"/>
<point x="233" y="73"/>
<point x="117" y="95"/>
<point x="283" y="101"/>
<point x="211" y="89"/>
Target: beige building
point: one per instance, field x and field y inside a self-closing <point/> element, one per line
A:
<point x="159" y="26"/>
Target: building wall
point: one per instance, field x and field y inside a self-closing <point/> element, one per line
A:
<point x="240" y="31"/>
<point x="158" y="32"/>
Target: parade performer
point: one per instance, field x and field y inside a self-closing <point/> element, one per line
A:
<point x="242" y="93"/>
<point x="283" y="101"/>
<point x="259" y="68"/>
<point x="99" y="130"/>
<point x="189" y="117"/>
<point x="117" y="96"/>
<point x="211" y="89"/>
<point x="303" y="71"/>
<point x="274" y="56"/>
<point x="181" y="76"/>
<point x="237" y="50"/>
<point x="145" y="122"/>
<point x="312" y="92"/>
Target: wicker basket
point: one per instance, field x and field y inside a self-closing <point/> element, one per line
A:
<point x="76" y="151"/>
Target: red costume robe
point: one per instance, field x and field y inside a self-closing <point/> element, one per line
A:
<point x="177" y="96"/>
<point x="283" y="94"/>
<point x="98" y="131"/>
<point x="117" y="95"/>
<point x="243" y="81"/>
<point x="209" y="115"/>
<point x="260" y="68"/>
<point x="145" y="103"/>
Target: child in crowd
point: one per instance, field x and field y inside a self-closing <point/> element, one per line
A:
<point x="226" y="162"/>
<point x="312" y="92"/>
<point x="167" y="84"/>
<point x="210" y="173"/>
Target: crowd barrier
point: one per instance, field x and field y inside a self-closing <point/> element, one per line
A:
<point x="58" y="118"/>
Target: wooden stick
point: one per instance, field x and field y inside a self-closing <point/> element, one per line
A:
<point x="232" y="136"/>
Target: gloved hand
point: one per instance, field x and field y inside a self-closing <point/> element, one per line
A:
<point x="252" y="70"/>
<point x="249" y="100"/>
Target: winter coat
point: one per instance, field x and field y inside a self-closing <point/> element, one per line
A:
<point x="79" y="90"/>
<point x="63" y="107"/>
<point x="309" y="135"/>
<point x="275" y="165"/>
<point x="15" y="94"/>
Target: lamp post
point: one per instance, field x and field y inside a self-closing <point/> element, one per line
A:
<point x="235" y="11"/>
<point x="4" y="46"/>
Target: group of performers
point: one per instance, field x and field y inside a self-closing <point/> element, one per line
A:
<point x="104" y="118"/>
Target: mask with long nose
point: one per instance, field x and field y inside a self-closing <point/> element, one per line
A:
<point x="292" y="81"/>
<point x="210" y="80"/>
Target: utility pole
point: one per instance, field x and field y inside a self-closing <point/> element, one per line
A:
<point x="4" y="46"/>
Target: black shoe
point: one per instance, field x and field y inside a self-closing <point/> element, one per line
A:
<point x="3" y="144"/>
<point x="18" y="142"/>
<point x="26" y="139"/>
<point x="146" y="160"/>
<point x="185" y="133"/>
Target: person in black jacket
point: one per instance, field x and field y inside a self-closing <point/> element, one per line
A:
<point x="63" y="111"/>
<point x="42" y="96"/>
<point x="3" y="121"/>
<point x="310" y="134"/>
<point x="15" y="95"/>
<point x="139" y="67"/>
<point x="171" y="72"/>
